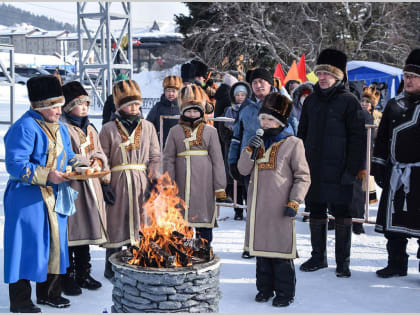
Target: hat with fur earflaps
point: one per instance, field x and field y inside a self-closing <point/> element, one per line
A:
<point x="372" y="94"/>
<point x="45" y="92"/>
<point x="192" y="96"/>
<point x="278" y="107"/>
<point x="334" y="62"/>
<point x="201" y="68"/>
<point x="172" y="81"/>
<point x="75" y="94"/>
<point x="412" y="64"/>
<point x="187" y="72"/>
<point x="126" y="93"/>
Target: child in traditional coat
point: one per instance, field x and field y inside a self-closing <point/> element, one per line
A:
<point x="193" y="158"/>
<point x="132" y="148"/>
<point x="88" y="225"/>
<point x="279" y="182"/>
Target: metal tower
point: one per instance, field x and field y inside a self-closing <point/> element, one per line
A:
<point x="107" y="61"/>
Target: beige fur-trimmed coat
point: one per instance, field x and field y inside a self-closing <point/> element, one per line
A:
<point x="279" y="175"/>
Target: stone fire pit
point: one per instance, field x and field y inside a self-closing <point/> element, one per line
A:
<point x="192" y="289"/>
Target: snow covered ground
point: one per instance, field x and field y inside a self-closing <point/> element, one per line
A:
<point x="316" y="292"/>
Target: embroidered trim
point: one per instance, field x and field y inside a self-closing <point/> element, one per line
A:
<point x="82" y="138"/>
<point x="199" y="141"/>
<point x="271" y="164"/>
<point x="378" y="161"/>
<point x="124" y="135"/>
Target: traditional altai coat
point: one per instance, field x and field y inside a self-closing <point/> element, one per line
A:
<point x="279" y="174"/>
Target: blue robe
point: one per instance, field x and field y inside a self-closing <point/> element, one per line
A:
<point x="27" y="228"/>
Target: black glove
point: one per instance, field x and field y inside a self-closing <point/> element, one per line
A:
<point x="290" y="212"/>
<point x="108" y="194"/>
<point x="152" y="187"/>
<point x="255" y="142"/>
<point x="234" y="172"/>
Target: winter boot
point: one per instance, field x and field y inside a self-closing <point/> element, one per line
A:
<point x="49" y="292"/>
<point x="318" y="260"/>
<point x="109" y="273"/>
<point x="20" y="297"/>
<point x="343" y="227"/>
<point x="85" y="280"/>
<point x="69" y="285"/>
<point x="358" y="228"/>
<point x="397" y="259"/>
<point x="239" y="214"/>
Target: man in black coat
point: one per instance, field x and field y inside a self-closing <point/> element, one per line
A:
<point x="332" y="129"/>
<point x="396" y="168"/>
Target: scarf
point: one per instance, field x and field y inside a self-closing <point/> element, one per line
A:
<point x="81" y="122"/>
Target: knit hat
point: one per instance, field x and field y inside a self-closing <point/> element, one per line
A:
<point x="242" y="85"/>
<point x="372" y="94"/>
<point x="261" y="73"/>
<point x="412" y="64"/>
<point x="45" y="92"/>
<point x="192" y="96"/>
<point x="229" y="79"/>
<point x="75" y="94"/>
<point x="120" y="77"/>
<point x="200" y="68"/>
<point x="172" y="81"/>
<point x="187" y="72"/>
<point x="334" y="62"/>
<point x="125" y="93"/>
<point x="278" y="107"/>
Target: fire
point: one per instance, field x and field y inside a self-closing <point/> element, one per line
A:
<point x="166" y="240"/>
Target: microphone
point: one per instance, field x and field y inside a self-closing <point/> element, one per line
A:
<point x="259" y="133"/>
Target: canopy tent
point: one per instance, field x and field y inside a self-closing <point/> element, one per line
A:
<point x="370" y="71"/>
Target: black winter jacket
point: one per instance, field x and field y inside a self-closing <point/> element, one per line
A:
<point x="164" y="108"/>
<point x="332" y="129"/>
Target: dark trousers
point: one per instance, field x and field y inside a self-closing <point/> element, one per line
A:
<point x="108" y="253"/>
<point x="276" y="274"/>
<point x="206" y="233"/>
<point x="240" y="194"/>
<point x="319" y="210"/>
<point x="79" y="258"/>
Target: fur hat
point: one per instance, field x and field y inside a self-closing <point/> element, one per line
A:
<point x="277" y="106"/>
<point x="192" y="96"/>
<point x="248" y="76"/>
<point x="125" y="93"/>
<point x="239" y="83"/>
<point x="75" y="94"/>
<point x="372" y="94"/>
<point x="334" y="62"/>
<point x="187" y="72"/>
<point x="172" y="81"/>
<point x="200" y="68"/>
<point x="261" y="73"/>
<point x="45" y="92"/>
<point x="412" y="64"/>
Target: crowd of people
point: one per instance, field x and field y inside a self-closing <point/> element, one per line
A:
<point x="283" y="146"/>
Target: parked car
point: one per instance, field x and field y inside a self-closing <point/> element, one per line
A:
<point x="18" y="78"/>
<point x="66" y="75"/>
<point x="29" y="72"/>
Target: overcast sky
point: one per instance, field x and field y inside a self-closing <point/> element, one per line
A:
<point x="143" y="13"/>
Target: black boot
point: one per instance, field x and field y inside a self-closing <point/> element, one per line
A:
<point x="397" y="259"/>
<point x="108" y="273"/>
<point x="69" y="285"/>
<point x="49" y="292"/>
<point x="318" y="260"/>
<point x="343" y="227"/>
<point x="358" y="228"/>
<point x="85" y="280"/>
<point x="239" y="214"/>
<point x="82" y="267"/>
<point x="20" y="297"/>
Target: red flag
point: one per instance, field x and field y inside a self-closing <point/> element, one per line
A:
<point x="279" y="73"/>
<point x="302" y="68"/>
<point x="293" y="73"/>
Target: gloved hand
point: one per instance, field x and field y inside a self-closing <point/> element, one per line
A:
<point x="234" y="172"/>
<point x="255" y="142"/>
<point x="108" y="194"/>
<point x="290" y="212"/>
<point x="152" y="187"/>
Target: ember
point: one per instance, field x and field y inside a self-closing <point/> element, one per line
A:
<point x="166" y="240"/>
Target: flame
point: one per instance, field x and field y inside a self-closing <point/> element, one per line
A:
<point x="163" y="221"/>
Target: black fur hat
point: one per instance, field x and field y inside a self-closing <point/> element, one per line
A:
<point x="248" y="76"/>
<point x="200" y="68"/>
<point x="412" y="64"/>
<point x="261" y="73"/>
<point x="187" y="72"/>
<point x="278" y="107"/>
<point x="334" y="62"/>
<point x="44" y="92"/>
<point x="75" y="94"/>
